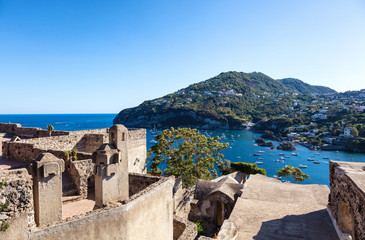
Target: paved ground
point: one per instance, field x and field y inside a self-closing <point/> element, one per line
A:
<point x="79" y="207"/>
<point x="272" y="210"/>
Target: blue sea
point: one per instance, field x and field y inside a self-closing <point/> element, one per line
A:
<point x="241" y="144"/>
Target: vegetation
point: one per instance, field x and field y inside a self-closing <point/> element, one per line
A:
<point x="232" y="98"/>
<point x="295" y="173"/>
<point x="50" y="129"/>
<point x="187" y="153"/>
<point x="74" y="154"/>
<point x="305" y="88"/>
<point x="248" y="168"/>
<point x="4" y="226"/>
<point x="4" y="206"/>
<point x="67" y="154"/>
<point x="199" y="227"/>
<point x="3" y="182"/>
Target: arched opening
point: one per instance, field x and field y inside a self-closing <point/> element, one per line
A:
<point x="220" y="213"/>
<point x="344" y="220"/>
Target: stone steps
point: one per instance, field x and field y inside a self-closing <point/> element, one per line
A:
<point x="72" y="198"/>
<point x="69" y="192"/>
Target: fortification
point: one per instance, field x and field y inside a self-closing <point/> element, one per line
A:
<point x="347" y="198"/>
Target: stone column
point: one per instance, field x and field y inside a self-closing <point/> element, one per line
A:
<point x="47" y="189"/>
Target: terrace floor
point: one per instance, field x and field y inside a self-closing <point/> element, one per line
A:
<point x="272" y="210"/>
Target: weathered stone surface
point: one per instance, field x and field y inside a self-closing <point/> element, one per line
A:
<point x="270" y="209"/>
<point x="82" y="174"/>
<point x="184" y="229"/>
<point x="47" y="189"/>
<point x="347" y="197"/>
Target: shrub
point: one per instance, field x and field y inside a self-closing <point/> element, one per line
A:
<point x="248" y="168"/>
<point x="199" y="227"/>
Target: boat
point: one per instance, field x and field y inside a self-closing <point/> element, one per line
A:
<point x="277" y="160"/>
<point x="310" y="159"/>
<point x="238" y="156"/>
<point x="316" y="162"/>
<point x="282" y="158"/>
<point x="294" y="154"/>
<point x="325" y="158"/>
<point x="281" y="154"/>
<point x="261" y="151"/>
<point x="302" y="166"/>
<point x="317" y="153"/>
<point x="256" y="154"/>
<point x="153" y="141"/>
<point x="287" y="156"/>
<point x="258" y="162"/>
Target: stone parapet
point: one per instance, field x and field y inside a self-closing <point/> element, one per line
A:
<point x="184" y="229"/>
<point x="347" y="197"/>
<point x="27" y="132"/>
<point x="80" y="172"/>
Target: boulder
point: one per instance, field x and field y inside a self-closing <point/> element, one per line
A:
<point x="286" y="146"/>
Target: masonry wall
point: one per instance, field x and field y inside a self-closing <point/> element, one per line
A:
<point x="80" y="172"/>
<point x="28" y="152"/>
<point x="148" y="215"/>
<point x="137" y="150"/>
<point x="18" y="130"/>
<point x="19" y="214"/>
<point x="347" y="195"/>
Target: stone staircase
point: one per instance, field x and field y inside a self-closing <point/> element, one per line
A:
<point x="69" y="190"/>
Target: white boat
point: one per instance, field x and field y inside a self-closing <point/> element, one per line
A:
<point x="302" y="166"/>
<point x="310" y="159"/>
<point x="153" y="141"/>
<point x="258" y="162"/>
<point x="261" y="151"/>
<point x="317" y="153"/>
<point x="294" y="154"/>
<point x="238" y="156"/>
<point x="282" y="158"/>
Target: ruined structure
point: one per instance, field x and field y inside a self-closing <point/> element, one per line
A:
<point x="214" y="200"/>
<point x="35" y="192"/>
<point x="347" y="198"/>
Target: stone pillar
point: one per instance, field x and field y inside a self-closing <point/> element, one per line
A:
<point x="47" y="189"/>
<point x="118" y="136"/>
<point x="111" y="168"/>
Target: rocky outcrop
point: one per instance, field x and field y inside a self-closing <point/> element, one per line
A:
<point x="286" y="146"/>
<point x="268" y="135"/>
<point x="175" y="118"/>
<point x="262" y="143"/>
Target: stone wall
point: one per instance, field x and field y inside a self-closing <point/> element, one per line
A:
<point x="147" y="215"/>
<point x="28" y="152"/>
<point x="19" y="214"/>
<point x="137" y="150"/>
<point x="139" y="182"/>
<point x="184" y="229"/>
<point x="18" y="130"/>
<point x="347" y="197"/>
<point x="80" y="172"/>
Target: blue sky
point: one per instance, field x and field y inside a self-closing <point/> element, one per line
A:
<point x="103" y="56"/>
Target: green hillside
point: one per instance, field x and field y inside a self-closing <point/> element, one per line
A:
<point x="305" y="88"/>
<point x="226" y="101"/>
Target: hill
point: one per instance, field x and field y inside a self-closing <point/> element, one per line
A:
<point x="305" y="88"/>
<point x="226" y="101"/>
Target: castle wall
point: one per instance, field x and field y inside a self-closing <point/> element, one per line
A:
<point x="147" y="215"/>
<point x="18" y="130"/>
<point x="19" y="214"/>
<point x="137" y="151"/>
<point x="347" y="197"/>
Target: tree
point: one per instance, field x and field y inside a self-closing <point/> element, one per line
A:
<point x="50" y="129"/>
<point x="354" y="132"/>
<point x="187" y="153"/>
<point x="295" y="173"/>
<point x="248" y="168"/>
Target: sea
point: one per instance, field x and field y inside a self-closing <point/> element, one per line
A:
<point x="241" y="148"/>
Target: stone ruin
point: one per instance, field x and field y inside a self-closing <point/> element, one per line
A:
<point x="112" y="173"/>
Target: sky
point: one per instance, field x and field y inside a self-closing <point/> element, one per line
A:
<point x="86" y="56"/>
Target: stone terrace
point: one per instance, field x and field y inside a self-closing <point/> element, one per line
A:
<point x="270" y="209"/>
